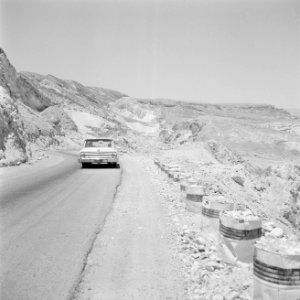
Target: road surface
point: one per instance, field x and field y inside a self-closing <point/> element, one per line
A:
<point x="51" y="213"/>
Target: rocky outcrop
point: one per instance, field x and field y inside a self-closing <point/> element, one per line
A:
<point x="8" y="77"/>
<point x="61" y="121"/>
<point x="223" y="154"/>
<point x="31" y="95"/>
<point x="55" y="91"/>
<point x="52" y="111"/>
<point x="19" y="87"/>
<point x="12" y="142"/>
<point x="33" y="116"/>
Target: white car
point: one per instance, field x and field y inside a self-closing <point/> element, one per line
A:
<point x="99" y="151"/>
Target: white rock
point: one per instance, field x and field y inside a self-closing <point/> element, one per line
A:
<point x="277" y="232"/>
<point x="217" y="297"/>
<point x="209" y="268"/>
<point x="268" y="226"/>
<point x="200" y="241"/>
<point x="232" y="295"/>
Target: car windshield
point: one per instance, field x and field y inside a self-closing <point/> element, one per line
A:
<point x="98" y="143"/>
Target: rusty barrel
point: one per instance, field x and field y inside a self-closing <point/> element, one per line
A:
<point x="193" y="198"/>
<point x="186" y="182"/>
<point x="212" y="206"/>
<point x="176" y="176"/>
<point x="238" y="232"/>
<point x="276" y="269"/>
<point x="172" y="171"/>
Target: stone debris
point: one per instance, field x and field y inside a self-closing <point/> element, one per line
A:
<point x="238" y="180"/>
<point x="243" y="215"/>
<point x="277" y="232"/>
<point x="285" y="245"/>
<point x="268" y="226"/>
<point x="206" y="276"/>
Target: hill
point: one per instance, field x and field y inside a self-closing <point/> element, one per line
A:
<point x="42" y="111"/>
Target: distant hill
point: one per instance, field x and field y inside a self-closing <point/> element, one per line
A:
<point x="294" y="111"/>
<point x="41" y="112"/>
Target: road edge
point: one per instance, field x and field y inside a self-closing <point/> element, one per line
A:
<point x="74" y="289"/>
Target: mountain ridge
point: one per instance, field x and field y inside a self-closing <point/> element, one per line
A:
<point x="40" y="112"/>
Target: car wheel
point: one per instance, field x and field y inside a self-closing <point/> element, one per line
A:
<point x="84" y="165"/>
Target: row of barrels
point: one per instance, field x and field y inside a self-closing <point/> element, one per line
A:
<point x="276" y="268"/>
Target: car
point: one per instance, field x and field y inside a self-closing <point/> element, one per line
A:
<point x="99" y="151"/>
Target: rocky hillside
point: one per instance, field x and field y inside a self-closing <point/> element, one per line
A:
<point x="41" y="112"/>
<point x="258" y="144"/>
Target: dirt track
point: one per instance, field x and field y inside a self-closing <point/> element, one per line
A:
<point x="132" y="257"/>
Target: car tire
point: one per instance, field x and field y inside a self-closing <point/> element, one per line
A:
<point x="117" y="166"/>
<point x="84" y="165"/>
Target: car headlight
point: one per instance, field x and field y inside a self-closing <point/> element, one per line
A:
<point x="82" y="154"/>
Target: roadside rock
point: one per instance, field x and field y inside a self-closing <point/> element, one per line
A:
<point x="239" y="180"/>
<point x="277" y="232"/>
<point x="223" y="153"/>
<point x="12" y="141"/>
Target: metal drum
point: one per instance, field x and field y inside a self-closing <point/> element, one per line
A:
<point x="238" y="232"/>
<point x="212" y="206"/>
<point x="193" y="199"/>
<point x="276" y="268"/>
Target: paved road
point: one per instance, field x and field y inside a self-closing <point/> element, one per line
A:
<point x="50" y="214"/>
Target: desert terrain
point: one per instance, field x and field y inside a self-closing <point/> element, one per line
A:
<point x="144" y="243"/>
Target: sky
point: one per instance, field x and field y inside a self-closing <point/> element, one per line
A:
<point x="211" y="51"/>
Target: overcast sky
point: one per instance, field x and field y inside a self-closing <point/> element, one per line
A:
<point x="216" y="51"/>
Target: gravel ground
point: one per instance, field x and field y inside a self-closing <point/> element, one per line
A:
<point x="205" y="276"/>
<point x="134" y="256"/>
<point x="150" y="234"/>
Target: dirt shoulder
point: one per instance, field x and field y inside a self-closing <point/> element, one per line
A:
<point x="134" y="256"/>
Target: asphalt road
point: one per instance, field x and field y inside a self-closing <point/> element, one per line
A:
<point x="50" y="215"/>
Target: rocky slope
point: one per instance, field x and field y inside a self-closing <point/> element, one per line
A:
<point x="12" y="143"/>
<point x="249" y="154"/>
<point x="41" y="112"/>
